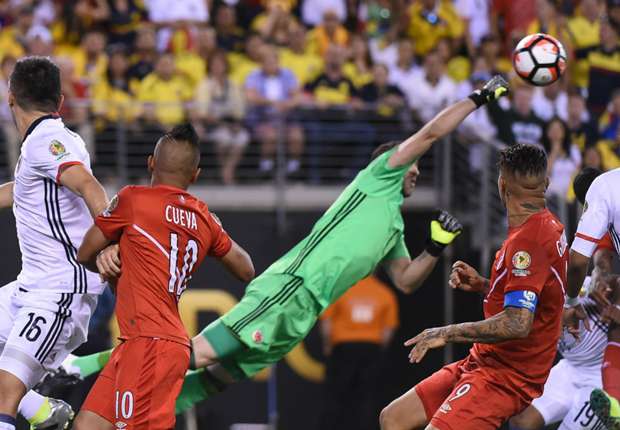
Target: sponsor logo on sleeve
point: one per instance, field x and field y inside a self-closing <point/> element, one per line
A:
<point x="58" y="150"/>
<point x="111" y="206"/>
<point x="521" y="261"/>
<point x="529" y="300"/>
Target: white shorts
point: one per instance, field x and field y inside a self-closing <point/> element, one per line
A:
<point x="38" y="329"/>
<point x="565" y="395"/>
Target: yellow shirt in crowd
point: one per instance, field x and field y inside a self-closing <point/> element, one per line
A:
<point x="425" y="33"/>
<point x="305" y="67"/>
<point x="168" y="97"/>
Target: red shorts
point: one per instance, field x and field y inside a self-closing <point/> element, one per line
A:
<point x="139" y="386"/>
<point x="468" y="396"/>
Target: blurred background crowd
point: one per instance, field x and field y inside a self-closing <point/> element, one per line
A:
<point x="317" y="82"/>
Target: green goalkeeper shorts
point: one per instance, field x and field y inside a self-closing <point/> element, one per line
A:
<point x="274" y="315"/>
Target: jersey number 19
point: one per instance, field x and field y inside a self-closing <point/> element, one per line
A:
<point x="178" y="280"/>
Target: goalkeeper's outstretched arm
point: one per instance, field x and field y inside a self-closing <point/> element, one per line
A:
<point x="446" y="121"/>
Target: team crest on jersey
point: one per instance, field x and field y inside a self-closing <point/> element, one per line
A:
<point x="521" y="260"/>
<point x="111" y="206"/>
<point x="257" y="336"/>
<point x="57" y="149"/>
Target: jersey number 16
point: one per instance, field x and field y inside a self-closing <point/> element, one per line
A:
<point x="178" y="280"/>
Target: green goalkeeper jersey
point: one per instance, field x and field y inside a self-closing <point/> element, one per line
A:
<point x="361" y="228"/>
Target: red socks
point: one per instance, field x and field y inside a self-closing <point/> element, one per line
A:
<point x="611" y="370"/>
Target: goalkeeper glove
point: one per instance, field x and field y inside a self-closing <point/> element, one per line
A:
<point x="492" y="90"/>
<point x="444" y="229"/>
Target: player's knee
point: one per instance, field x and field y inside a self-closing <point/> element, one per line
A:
<point x="388" y="418"/>
<point x="526" y="420"/>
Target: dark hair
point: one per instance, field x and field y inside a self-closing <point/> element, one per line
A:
<point x="526" y="160"/>
<point x="566" y="141"/>
<point x="35" y="83"/>
<point x="582" y="182"/>
<point x="184" y="133"/>
<point x="383" y="148"/>
<point x="219" y="54"/>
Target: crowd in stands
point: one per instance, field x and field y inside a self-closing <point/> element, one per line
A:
<point x="322" y="76"/>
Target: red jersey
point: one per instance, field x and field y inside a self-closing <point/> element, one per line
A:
<point x="533" y="258"/>
<point x="164" y="234"/>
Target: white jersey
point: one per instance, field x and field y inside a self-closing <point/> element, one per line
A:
<point x="601" y="213"/>
<point x="51" y="220"/>
<point x="588" y="350"/>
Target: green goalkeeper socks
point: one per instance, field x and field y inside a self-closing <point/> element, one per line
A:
<point x="88" y="364"/>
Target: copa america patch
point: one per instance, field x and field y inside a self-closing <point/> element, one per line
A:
<point x="521" y="260"/>
<point x="57" y="149"/>
<point x="257" y="336"/>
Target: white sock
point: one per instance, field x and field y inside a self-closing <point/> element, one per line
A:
<point x="31" y="404"/>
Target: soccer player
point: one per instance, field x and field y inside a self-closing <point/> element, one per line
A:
<point x="164" y="234"/>
<point x="44" y="314"/>
<point x="362" y="229"/>
<point x="566" y="396"/>
<point x="515" y="345"/>
<point x="601" y="215"/>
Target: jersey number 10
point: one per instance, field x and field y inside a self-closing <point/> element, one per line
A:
<point x="178" y="280"/>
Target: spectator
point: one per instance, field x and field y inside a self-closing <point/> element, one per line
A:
<point x="384" y="101"/>
<point x="609" y="150"/>
<point x="193" y="62"/>
<point x="583" y="32"/>
<point x="517" y="122"/>
<point x="144" y="56"/>
<point x="39" y="41"/>
<point x="245" y="63"/>
<point x="359" y="67"/>
<point x="592" y="158"/>
<point x="217" y="114"/>
<point x="229" y="35"/>
<point x="432" y="20"/>
<point x="124" y="21"/>
<point x="551" y="101"/>
<point x="547" y="20"/>
<point x="163" y="95"/>
<point x="112" y="98"/>
<point x="75" y="107"/>
<point x="510" y="18"/>
<point x="475" y="16"/>
<point x="91" y="61"/>
<point x="384" y="50"/>
<point x="604" y="68"/>
<point x="332" y="121"/>
<point x="405" y="67"/>
<point x="564" y="157"/>
<point x="165" y="12"/>
<point x="275" y="24"/>
<point x="13" y="37"/>
<point x="272" y="92"/>
<point x="609" y="123"/>
<point x="313" y="11"/>
<point x="355" y="331"/>
<point x="458" y="67"/>
<point x="490" y="52"/>
<point x="613" y="10"/>
<point x="330" y="32"/>
<point x="12" y="139"/>
<point x="430" y="91"/>
<point x="92" y="12"/>
<point x="578" y="121"/>
<point x="377" y="17"/>
<point x="305" y="64"/>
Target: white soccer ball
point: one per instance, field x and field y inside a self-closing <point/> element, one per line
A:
<point x="539" y="59"/>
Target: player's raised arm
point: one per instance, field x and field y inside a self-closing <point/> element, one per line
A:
<point x="407" y="274"/>
<point x="84" y="184"/>
<point x="6" y="195"/>
<point x="446" y="121"/>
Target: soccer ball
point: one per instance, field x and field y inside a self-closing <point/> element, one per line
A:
<point x="539" y="59"/>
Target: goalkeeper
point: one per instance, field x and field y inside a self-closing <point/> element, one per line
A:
<point x="362" y="229"/>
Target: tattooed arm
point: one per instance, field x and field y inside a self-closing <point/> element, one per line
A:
<point x="511" y="323"/>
